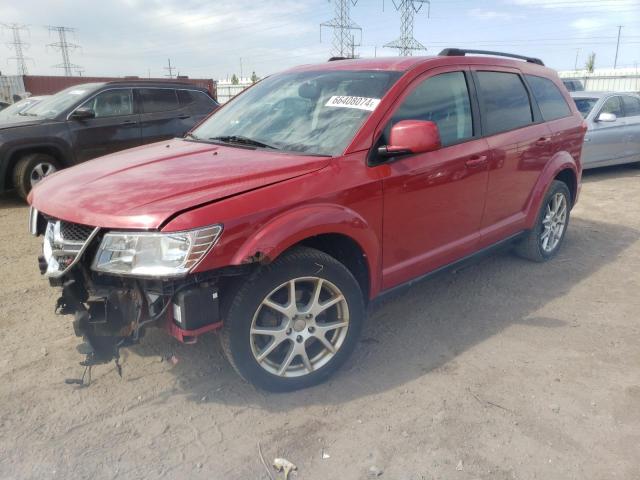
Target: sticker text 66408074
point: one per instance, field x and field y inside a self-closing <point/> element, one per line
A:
<point x="345" y="101"/>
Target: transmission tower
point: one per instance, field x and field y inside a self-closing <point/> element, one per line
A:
<point x="408" y="9"/>
<point x="343" y="40"/>
<point x="169" y="69"/>
<point x="64" y="46"/>
<point x="18" y="46"/>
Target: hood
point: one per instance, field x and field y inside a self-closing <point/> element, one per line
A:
<point x="144" y="186"/>
<point x="13" y="121"/>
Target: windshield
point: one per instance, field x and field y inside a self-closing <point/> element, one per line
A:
<point x="56" y="104"/>
<point x="18" y="107"/>
<point x="585" y="105"/>
<point x="309" y="112"/>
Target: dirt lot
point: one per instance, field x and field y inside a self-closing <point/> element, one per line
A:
<point x="504" y="370"/>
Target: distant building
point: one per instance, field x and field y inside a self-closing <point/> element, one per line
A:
<point x="227" y="89"/>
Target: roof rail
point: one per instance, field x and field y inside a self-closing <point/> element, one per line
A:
<point x="461" y="52"/>
<point x="333" y="59"/>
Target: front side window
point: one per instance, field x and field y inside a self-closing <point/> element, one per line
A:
<point x="111" y="103"/>
<point x="158" y="99"/>
<point x="549" y="98"/>
<point x="315" y="112"/>
<point x="631" y="106"/>
<point x="613" y="105"/>
<point x="504" y="102"/>
<point x="443" y="99"/>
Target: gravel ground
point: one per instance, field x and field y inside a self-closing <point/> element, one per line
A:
<point x="503" y="370"/>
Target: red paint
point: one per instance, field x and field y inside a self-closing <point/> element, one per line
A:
<point x="188" y="336"/>
<point x="409" y="216"/>
<point x="414" y="136"/>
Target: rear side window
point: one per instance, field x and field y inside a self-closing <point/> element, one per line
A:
<point x="631" y="106"/>
<point x="443" y="99"/>
<point x="504" y="102"/>
<point x="550" y="100"/>
<point x="196" y="99"/>
<point x="158" y="99"/>
<point x="613" y="105"/>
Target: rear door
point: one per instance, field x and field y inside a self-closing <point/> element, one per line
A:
<point x="433" y="201"/>
<point x="116" y="125"/>
<point x="631" y="106"/>
<point x="520" y="145"/>
<point x="162" y="117"/>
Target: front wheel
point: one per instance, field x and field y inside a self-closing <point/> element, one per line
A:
<point x="543" y="241"/>
<point x="294" y="322"/>
<point x="31" y="169"/>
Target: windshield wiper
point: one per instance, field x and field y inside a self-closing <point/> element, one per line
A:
<point x="240" y="140"/>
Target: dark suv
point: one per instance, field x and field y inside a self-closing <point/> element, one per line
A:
<point x="87" y="121"/>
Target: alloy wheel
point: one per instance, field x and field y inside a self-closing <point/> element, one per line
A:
<point x="554" y="222"/>
<point x="40" y="171"/>
<point x="299" y="327"/>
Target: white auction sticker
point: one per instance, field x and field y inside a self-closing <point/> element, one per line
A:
<point x="361" y="103"/>
<point x="77" y="92"/>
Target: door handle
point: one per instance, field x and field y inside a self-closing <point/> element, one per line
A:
<point x="184" y="117"/>
<point x="476" y="161"/>
<point x="129" y="122"/>
<point x="543" y="141"/>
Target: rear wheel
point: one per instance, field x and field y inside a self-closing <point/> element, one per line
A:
<point x="543" y="241"/>
<point x="31" y="169"/>
<point x="294" y="322"/>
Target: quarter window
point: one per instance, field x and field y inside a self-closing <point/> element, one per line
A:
<point x="158" y="99"/>
<point x="631" y="106"/>
<point x="111" y="103"/>
<point x="551" y="102"/>
<point x="504" y="101"/>
<point x="443" y="99"/>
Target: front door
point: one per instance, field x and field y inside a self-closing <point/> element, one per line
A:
<point x="433" y="201"/>
<point x="605" y="141"/>
<point x="116" y="125"/>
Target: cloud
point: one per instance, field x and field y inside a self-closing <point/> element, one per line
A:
<point x="483" y="14"/>
<point x="586" y="24"/>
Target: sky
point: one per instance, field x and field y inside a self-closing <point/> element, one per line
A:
<point x="218" y="38"/>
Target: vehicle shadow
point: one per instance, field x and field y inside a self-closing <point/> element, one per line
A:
<point x="608" y="173"/>
<point x="10" y="200"/>
<point x="416" y="332"/>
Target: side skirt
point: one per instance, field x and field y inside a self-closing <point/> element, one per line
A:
<point x="464" y="261"/>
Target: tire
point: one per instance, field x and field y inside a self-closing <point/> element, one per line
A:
<point x="261" y="358"/>
<point x="30" y="169"/>
<point x="533" y="246"/>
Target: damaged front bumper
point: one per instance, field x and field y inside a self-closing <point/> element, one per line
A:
<point x="112" y="311"/>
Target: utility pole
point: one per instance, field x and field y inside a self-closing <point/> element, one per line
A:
<point x="575" y="66"/>
<point x="615" y="62"/>
<point x="18" y="46"/>
<point x="408" y="9"/>
<point x="240" y="69"/>
<point x="170" y="69"/>
<point x="343" y="44"/>
<point x="64" y="46"/>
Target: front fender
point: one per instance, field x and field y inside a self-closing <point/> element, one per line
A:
<point x="559" y="162"/>
<point x="294" y="226"/>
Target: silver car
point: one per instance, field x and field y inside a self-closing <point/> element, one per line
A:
<point x="613" y="120"/>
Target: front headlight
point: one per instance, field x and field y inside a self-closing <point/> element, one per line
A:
<point x="154" y="254"/>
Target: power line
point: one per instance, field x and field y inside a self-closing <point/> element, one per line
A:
<point x="18" y="46"/>
<point x="343" y="40"/>
<point x="615" y="62"/>
<point x="407" y="43"/>
<point x="64" y="46"/>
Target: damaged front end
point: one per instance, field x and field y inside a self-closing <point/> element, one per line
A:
<point x="112" y="309"/>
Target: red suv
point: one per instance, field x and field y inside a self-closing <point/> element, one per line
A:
<point x="285" y="213"/>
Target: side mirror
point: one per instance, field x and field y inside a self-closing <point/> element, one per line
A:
<point x="83" y="113"/>
<point x="607" y="117"/>
<point x="411" y="136"/>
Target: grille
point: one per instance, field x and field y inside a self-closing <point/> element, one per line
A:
<point x="74" y="232"/>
